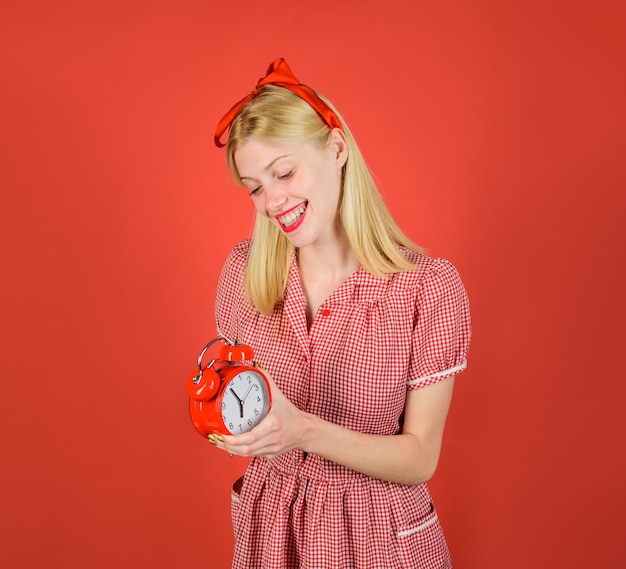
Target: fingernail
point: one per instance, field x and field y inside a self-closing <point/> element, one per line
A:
<point x="220" y="438"/>
<point x="212" y="440"/>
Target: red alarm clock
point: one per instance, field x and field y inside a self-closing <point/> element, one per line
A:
<point x="232" y="399"/>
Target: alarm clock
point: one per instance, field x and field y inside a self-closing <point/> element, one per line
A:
<point x="229" y="399"/>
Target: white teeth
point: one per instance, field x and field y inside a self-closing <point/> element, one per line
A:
<point x="291" y="218"/>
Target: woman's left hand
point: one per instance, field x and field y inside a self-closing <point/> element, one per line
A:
<point x="281" y="431"/>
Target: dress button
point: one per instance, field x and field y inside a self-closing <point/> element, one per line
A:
<point x="325" y="312"/>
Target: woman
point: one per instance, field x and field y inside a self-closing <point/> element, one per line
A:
<point x="361" y="333"/>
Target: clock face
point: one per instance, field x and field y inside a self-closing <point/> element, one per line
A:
<point x="245" y="401"/>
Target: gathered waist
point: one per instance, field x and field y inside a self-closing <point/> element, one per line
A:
<point x="299" y="463"/>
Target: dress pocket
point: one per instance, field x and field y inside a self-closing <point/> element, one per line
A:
<point x="425" y="522"/>
<point x="235" y="501"/>
<point x="422" y="544"/>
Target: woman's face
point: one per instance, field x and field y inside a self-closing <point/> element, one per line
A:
<point x="296" y="185"/>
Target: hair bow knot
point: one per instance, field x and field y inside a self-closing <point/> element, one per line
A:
<point x="278" y="73"/>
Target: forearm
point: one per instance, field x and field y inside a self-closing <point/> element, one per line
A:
<point x="402" y="458"/>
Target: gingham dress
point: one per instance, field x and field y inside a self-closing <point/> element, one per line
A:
<point x="370" y="341"/>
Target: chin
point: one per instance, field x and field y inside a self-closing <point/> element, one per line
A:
<point x="299" y="241"/>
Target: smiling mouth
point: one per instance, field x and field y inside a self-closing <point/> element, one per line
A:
<point x="290" y="218"/>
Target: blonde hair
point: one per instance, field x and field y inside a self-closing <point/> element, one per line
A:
<point x="277" y="114"/>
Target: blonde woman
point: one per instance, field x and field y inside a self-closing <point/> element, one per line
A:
<point x="361" y="333"/>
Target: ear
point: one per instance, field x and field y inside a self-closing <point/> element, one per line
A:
<point x="339" y="145"/>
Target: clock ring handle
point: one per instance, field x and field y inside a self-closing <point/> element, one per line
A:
<point x="202" y="355"/>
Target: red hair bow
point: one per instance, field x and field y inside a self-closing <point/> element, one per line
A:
<point x="279" y="73"/>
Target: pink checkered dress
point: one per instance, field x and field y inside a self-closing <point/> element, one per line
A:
<point x="370" y="341"/>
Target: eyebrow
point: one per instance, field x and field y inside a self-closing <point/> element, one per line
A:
<point x="268" y="166"/>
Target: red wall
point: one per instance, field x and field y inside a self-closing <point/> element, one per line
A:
<point x="496" y="132"/>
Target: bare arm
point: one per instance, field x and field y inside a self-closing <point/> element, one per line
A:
<point x="408" y="458"/>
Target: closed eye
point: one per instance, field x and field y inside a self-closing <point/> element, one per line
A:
<point x="255" y="190"/>
<point x="286" y="176"/>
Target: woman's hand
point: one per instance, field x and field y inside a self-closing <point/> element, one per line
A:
<point x="281" y="431"/>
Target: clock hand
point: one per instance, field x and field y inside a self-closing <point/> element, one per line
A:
<point x="247" y="392"/>
<point x="240" y="402"/>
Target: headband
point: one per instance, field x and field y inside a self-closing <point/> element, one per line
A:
<point x="279" y="73"/>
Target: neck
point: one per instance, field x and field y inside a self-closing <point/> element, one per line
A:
<point x="332" y="259"/>
<point x="323" y="267"/>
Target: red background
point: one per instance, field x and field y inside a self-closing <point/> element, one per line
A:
<point x="496" y="132"/>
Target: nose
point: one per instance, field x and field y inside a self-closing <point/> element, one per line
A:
<point x="275" y="198"/>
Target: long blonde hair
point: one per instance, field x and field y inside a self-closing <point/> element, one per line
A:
<point x="279" y="115"/>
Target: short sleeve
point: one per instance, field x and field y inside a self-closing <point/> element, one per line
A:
<point x="442" y="331"/>
<point x="230" y="292"/>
